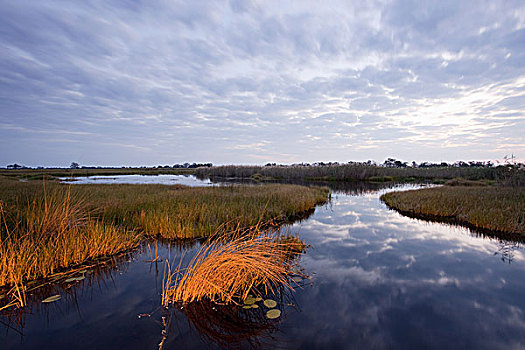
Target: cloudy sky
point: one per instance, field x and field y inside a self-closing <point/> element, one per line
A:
<point x="162" y="82"/>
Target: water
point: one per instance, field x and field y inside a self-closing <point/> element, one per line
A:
<point x="377" y="280"/>
<point x="187" y="180"/>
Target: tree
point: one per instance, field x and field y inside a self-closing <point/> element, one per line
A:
<point x="74" y="165"/>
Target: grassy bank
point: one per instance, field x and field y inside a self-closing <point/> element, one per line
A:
<point x="490" y="208"/>
<point x="189" y="212"/>
<point x="43" y="231"/>
<point x="362" y="172"/>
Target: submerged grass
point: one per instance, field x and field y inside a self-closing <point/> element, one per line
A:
<point x="227" y="270"/>
<point x="489" y="207"/>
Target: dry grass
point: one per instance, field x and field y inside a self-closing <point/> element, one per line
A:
<point x="50" y="233"/>
<point x="47" y="228"/>
<point x="491" y="208"/>
<point x="184" y="212"/>
<point x="227" y="270"/>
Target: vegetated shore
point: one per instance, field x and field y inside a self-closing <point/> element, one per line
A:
<point x="362" y="172"/>
<point x="46" y="227"/>
<point x="488" y="208"/>
<point x="52" y="173"/>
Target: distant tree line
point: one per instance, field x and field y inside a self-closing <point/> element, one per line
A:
<point x="75" y="165"/>
<point x="361" y="171"/>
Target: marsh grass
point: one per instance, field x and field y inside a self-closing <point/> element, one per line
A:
<point x="491" y="208"/>
<point x="49" y="227"/>
<point x="177" y="212"/>
<point x="50" y="233"/>
<point x="227" y="270"/>
<point x="364" y="172"/>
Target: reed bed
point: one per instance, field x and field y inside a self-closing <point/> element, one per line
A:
<point x="490" y="208"/>
<point x="50" y="233"/>
<point x="46" y="227"/>
<point x="182" y="212"/>
<point x="227" y="270"/>
<point x="363" y="172"/>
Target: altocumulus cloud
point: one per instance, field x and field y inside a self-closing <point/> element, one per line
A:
<point x="149" y="82"/>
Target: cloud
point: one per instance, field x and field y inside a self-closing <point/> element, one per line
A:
<point x="192" y="81"/>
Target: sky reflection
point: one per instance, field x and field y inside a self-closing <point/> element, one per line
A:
<point x="382" y="280"/>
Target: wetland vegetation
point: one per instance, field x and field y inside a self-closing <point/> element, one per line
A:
<point x="494" y="208"/>
<point x="365" y="172"/>
<point x="47" y="227"/>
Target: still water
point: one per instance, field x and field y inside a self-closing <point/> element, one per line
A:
<point x="378" y="280"/>
<point x="186" y="180"/>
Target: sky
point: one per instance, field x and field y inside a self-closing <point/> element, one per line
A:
<point x="116" y="83"/>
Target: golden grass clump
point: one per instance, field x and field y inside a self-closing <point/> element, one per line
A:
<point x="53" y="232"/>
<point x="226" y="270"/>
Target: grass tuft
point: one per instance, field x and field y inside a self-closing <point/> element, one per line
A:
<point x="227" y="270"/>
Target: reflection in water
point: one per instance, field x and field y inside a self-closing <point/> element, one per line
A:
<point x="87" y="277"/>
<point x="186" y="180"/>
<point x="506" y="250"/>
<point x="230" y="326"/>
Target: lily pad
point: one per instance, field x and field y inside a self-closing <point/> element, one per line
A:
<point x="73" y="279"/>
<point x="249" y="301"/>
<point x="273" y="313"/>
<point x="258" y="299"/>
<point x="247" y="307"/>
<point x="255" y="306"/>
<point x="52" y="298"/>
<point x="269" y="303"/>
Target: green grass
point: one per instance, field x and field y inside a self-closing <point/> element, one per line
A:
<point x="489" y="207"/>
<point x="190" y="212"/>
<point x="43" y="230"/>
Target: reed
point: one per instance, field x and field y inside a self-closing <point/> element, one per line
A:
<point x="50" y="233"/>
<point x="364" y="172"/>
<point x="176" y="212"/>
<point x="489" y="207"/>
<point x="46" y="227"/>
<point x="227" y="270"/>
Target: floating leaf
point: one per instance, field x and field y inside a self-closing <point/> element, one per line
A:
<point x="73" y="279"/>
<point x="273" y="313"/>
<point x="269" y="303"/>
<point x="258" y="299"/>
<point x="255" y="306"/>
<point x="52" y="298"/>
<point x="249" y="301"/>
<point x="247" y="307"/>
<point x="83" y="271"/>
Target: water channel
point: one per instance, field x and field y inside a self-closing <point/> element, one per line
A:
<point x="378" y="280"/>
